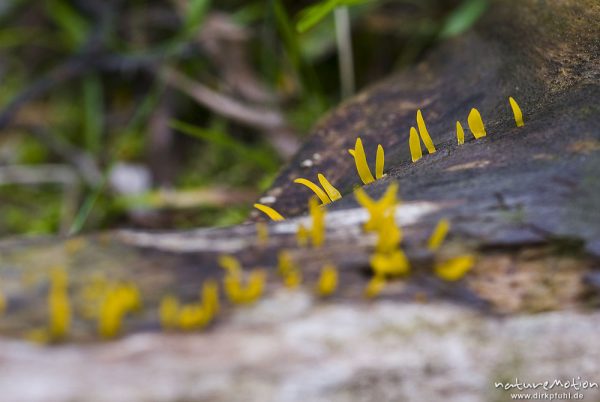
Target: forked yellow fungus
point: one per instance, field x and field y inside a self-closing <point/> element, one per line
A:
<point x="388" y="264"/>
<point x="360" y="160"/>
<point x="270" y="212"/>
<point x="424" y="133"/>
<point x="389" y="235"/>
<point x="245" y="293"/>
<point x="476" y="124"/>
<point x="120" y="300"/>
<point x="439" y="234"/>
<point x="236" y="290"/>
<point x="375" y="286"/>
<point x="516" y="111"/>
<point x="460" y="133"/>
<point x="414" y="143"/>
<point x="262" y="233"/>
<point x="190" y="316"/>
<point x="289" y="271"/>
<point x="454" y="268"/>
<point x="328" y="281"/>
<point x="59" y="305"/>
<point x="319" y="192"/>
<point x="378" y="210"/>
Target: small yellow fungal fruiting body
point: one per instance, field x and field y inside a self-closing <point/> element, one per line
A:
<point x="516" y="111"/>
<point x="328" y="280"/>
<point x="239" y="294"/>
<point x="270" y="212"/>
<point x="455" y="268"/>
<point x="3" y="303"/>
<point x="476" y="124"/>
<point x="192" y="316"/>
<point x="292" y="276"/>
<point x="331" y="191"/>
<point x="168" y="312"/>
<point x="378" y="210"/>
<point x="389" y="236"/>
<point x="317" y="231"/>
<point x="120" y="300"/>
<point x="393" y="263"/>
<point x="210" y="298"/>
<point x="439" y="234"/>
<point x="235" y="291"/>
<point x="424" y="133"/>
<point x="379" y="162"/>
<point x="460" y="133"/>
<point x="360" y="160"/>
<point x="302" y="236"/>
<point x="316" y="189"/>
<point x="59" y="305"/>
<point x="262" y="233"/>
<point x="414" y="143"/>
<point x="230" y="264"/>
<point x="375" y="286"/>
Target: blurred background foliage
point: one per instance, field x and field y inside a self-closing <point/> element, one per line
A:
<point x="171" y="114"/>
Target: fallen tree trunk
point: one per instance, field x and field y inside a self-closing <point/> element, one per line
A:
<point x="523" y="199"/>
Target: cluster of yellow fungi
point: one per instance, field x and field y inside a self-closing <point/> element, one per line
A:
<point x="110" y="303"/>
<point x="388" y="259"/>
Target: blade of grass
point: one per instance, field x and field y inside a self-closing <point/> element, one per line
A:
<point x="222" y="139"/>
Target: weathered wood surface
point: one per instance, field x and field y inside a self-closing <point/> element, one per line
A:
<point x="526" y="200"/>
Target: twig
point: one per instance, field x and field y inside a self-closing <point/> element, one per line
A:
<point x="272" y="123"/>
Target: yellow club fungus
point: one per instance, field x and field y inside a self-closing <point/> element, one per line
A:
<point x="168" y="312"/>
<point x="460" y="133"/>
<point x="331" y="191"/>
<point x="289" y="271"/>
<point x="230" y="264"/>
<point x="375" y="286"/>
<point x="389" y="236"/>
<point x="302" y="236"/>
<point x="392" y="263"/>
<point x="270" y="212"/>
<point x="360" y="160"/>
<point x="424" y="133"/>
<point x="455" y="268"/>
<point x="190" y="316"/>
<point x="516" y="111"/>
<point x="3" y="303"/>
<point x="317" y="231"/>
<point x="120" y="300"/>
<point x="328" y="281"/>
<point x="439" y="234"/>
<point x="476" y="124"/>
<point x="379" y="162"/>
<point x="414" y="143"/>
<point x="59" y="305"/>
<point x="378" y="210"/>
<point x="236" y="290"/>
<point x="210" y="297"/>
<point x="262" y="233"/>
<point x="240" y="293"/>
<point x="316" y="189"/>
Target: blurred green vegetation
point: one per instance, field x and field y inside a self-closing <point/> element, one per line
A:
<point x="87" y="85"/>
